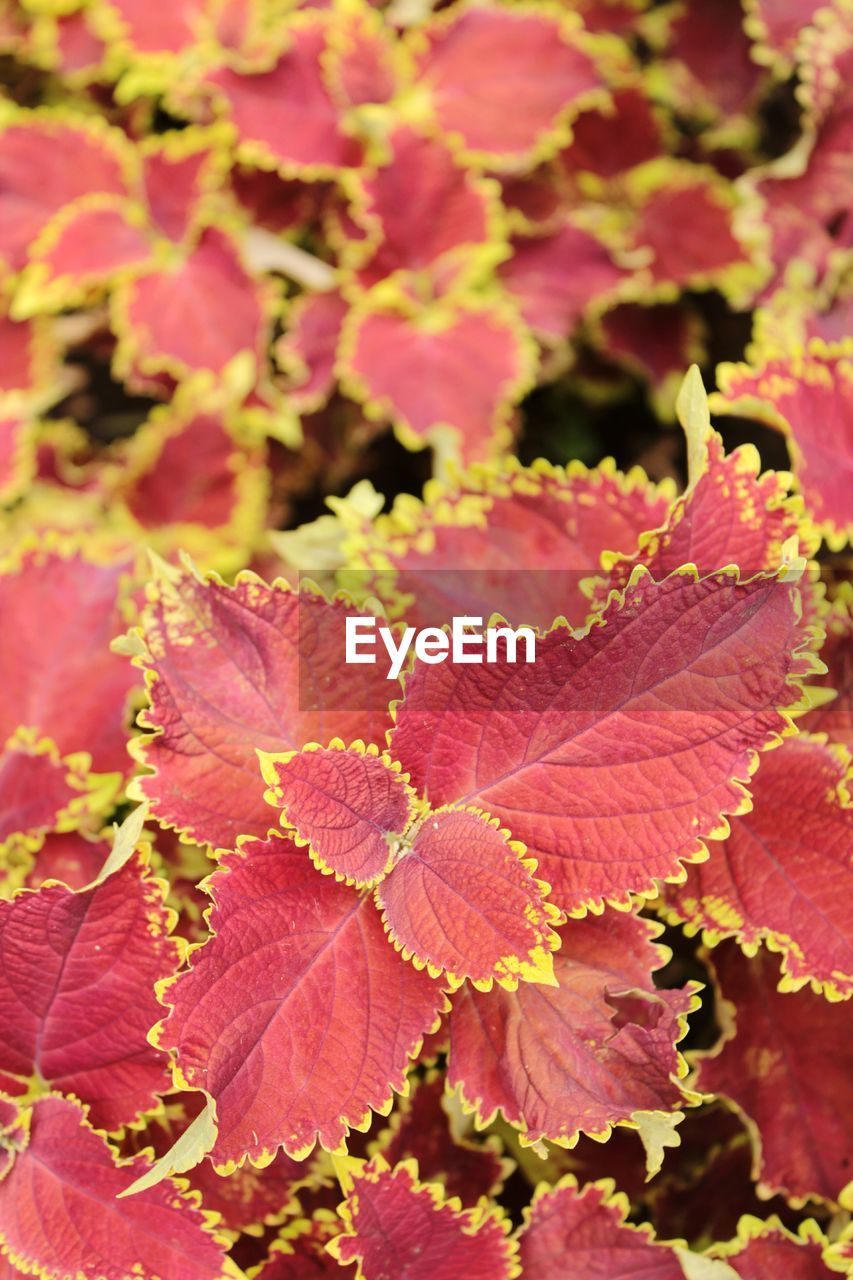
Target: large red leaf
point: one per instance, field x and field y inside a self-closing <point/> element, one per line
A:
<point x="670" y="694"/>
<point x="514" y="540"/>
<point x="60" y="613"/>
<point x="785" y="874"/>
<point x="444" y="212"/>
<point x="463" y="899"/>
<point x="684" y="223"/>
<point x="573" y="1233"/>
<point x="197" y="314"/>
<point x="235" y="669"/>
<point x="297" y="1017"/>
<point x="350" y="806"/>
<point x="809" y="396"/>
<point x="33" y="193"/>
<point x="557" y="278"/>
<point x="501" y="81"/>
<point x="583" y="1055"/>
<point x="77" y="975"/>
<point x="785" y="1062"/>
<point x="397" y="1226"/>
<point x="286" y="116"/>
<point x="60" y="1216"/>
<point x="449" y="377"/>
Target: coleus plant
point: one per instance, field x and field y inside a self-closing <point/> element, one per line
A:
<point x="492" y="969"/>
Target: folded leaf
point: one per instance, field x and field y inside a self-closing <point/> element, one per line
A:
<point x="350" y="806"/>
<point x="573" y="1233"/>
<point x="670" y="694"/>
<point x="59" y="1214"/>
<point x="297" y="1017"/>
<point x="463" y="899"/>
<point x="784" y="875"/>
<point x="808" y="396"/>
<point x="580" y="1056"/>
<point x="398" y="1226"/>
<point x="785" y="1062"/>
<point x="77" y="990"/>
<point x="238" y="669"/>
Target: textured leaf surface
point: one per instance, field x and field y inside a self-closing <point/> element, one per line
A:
<point x="59" y="1215"/>
<point x="501" y="80"/>
<point x="39" y="792"/>
<point x="462" y="548"/>
<point x="809" y="397"/>
<point x="462" y="899"/>
<point x="399" y="1227"/>
<point x="785" y="873"/>
<point x="580" y="1056"/>
<point x="347" y="805"/>
<point x="786" y="1067"/>
<point x="239" y="669"/>
<point x="77" y="991"/>
<point x="575" y="1234"/>
<point x="670" y="695"/>
<point x="60" y="613"/>
<point x="440" y="376"/>
<point x="291" y="944"/>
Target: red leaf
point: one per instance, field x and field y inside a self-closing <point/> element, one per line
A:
<point x="27" y="357"/>
<point x="397" y="1226"/>
<point x="59" y="1214"/>
<point x="198" y="314"/>
<point x="17" y="451"/>
<point x="556" y="278"/>
<point x="60" y="613"/>
<point x="445" y="212"/>
<point x="502" y="81"/>
<point x="559" y="1061"/>
<point x="657" y="342"/>
<point x="286" y="116"/>
<point x="349" y="805"/>
<point x="32" y="193"/>
<point x="670" y="694"/>
<point x="808" y="396"/>
<point x="40" y="792"/>
<point x="299" y="1251"/>
<point x="87" y="244"/>
<point x="244" y="1022"/>
<point x="308" y="350"/>
<point x="178" y="171"/>
<point x="514" y="540"/>
<point x="70" y="857"/>
<point x="449" y="376"/>
<point x="610" y="140"/>
<point x="777" y="24"/>
<point x="77" y="990"/>
<point x="784" y="874"/>
<point x="462" y="899"/>
<point x="712" y="75"/>
<point x="685" y="224"/>
<point x="235" y="669"/>
<point x="729" y="514"/>
<point x="767" y="1249"/>
<point x="422" y="1130"/>
<point x="835" y="717"/>
<point x="573" y="1233"/>
<point x="785" y="1063"/>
